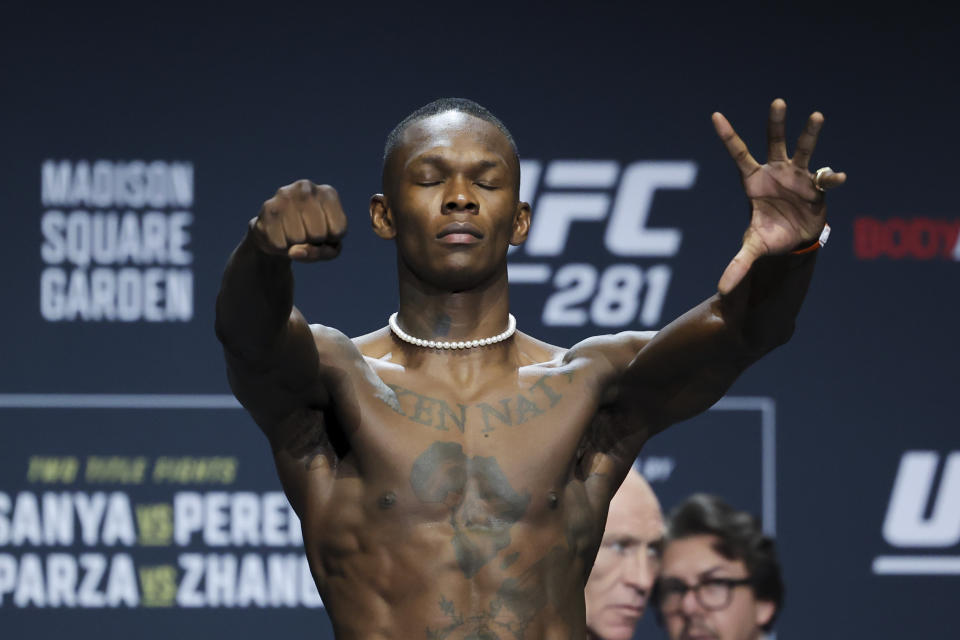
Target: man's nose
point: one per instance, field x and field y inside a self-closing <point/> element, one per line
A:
<point x="459" y="197"/>
<point x="690" y="605"/>
<point x="640" y="571"/>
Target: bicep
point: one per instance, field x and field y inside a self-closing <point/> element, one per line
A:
<point x="293" y="403"/>
<point x="687" y="367"/>
<point x="609" y="440"/>
<point x="670" y="376"/>
<point x="299" y="372"/>
<point x="611" y="354"/>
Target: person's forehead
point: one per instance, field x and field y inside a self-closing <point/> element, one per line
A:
<point x="454" y="131"/>
<point x="692" y="556"/>
<point x="634" y="512"/>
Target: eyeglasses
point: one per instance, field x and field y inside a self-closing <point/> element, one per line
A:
<point x="713" y="594"/>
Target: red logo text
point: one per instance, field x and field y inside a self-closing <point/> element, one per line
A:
<point x="906" y="238"/>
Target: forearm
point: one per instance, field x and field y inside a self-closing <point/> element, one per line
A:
<point x="760" y="312"/>
<point x="255" y="301"/>
<point x="711" y="344"/>
<point x="692" y="362"/>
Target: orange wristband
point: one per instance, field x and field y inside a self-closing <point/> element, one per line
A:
<point x="822" y="240"/>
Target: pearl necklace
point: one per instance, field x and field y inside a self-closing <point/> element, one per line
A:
<point x="465" y="344"/>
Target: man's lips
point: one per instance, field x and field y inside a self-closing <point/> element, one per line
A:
<point x="460" y="233"/>
<point x="629" y="609"/>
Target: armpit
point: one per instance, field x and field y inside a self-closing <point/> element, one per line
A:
<point x="611" y="442"/>
<point x="303" y="436"/>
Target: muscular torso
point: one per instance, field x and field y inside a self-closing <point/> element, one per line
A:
<point x="462" y="495"/>
<point x="458" y="501"/>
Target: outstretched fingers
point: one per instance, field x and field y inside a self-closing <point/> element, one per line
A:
<point x="807" y="141"/>
<point x="735" y="146"/>
<point x="776" y="132"/>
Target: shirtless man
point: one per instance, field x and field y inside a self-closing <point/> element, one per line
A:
<point x="461" y="492"/>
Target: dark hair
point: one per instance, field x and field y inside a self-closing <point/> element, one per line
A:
<point x="443" y="105"/>
<point x="739" y="537"/>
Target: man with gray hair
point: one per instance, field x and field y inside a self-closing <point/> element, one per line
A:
<point x="627" y="562"/>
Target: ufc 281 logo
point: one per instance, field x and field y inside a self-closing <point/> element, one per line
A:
<point x="566" y="194"/>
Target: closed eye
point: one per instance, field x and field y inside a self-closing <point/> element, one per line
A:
<point x="487" y="186"/>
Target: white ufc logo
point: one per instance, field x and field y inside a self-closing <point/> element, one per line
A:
<point x="573" y="193"/>
<point x="586" y="191"/>
<point x="905" y="524"/>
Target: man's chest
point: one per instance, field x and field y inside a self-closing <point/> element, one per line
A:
<point x="501" y="451"/>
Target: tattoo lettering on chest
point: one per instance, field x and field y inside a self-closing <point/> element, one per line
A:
<point x="483" y="506"/>
<point x="540" y="397"/>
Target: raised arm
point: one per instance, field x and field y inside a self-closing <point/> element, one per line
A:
<point x="273" y="356"/>
<point x="692" y="362"/>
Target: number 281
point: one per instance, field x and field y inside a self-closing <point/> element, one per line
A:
<point x="620" y="295"/>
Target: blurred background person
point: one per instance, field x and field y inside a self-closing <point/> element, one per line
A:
<point x="720" y="577"/>
<point x="627" y="563"/>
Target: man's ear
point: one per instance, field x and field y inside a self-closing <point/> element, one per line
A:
<point x="381" y="218"/>
<point x="765" y="610"/>
<point x="521" y="224"/>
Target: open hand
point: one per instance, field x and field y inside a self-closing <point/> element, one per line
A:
<point x="787" y="209"/>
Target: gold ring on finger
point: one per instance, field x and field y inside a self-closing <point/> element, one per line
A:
<point x="818" y="176"/>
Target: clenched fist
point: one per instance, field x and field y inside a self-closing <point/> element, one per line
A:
<point x="303" y="221"/>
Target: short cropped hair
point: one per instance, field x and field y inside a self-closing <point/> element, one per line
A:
<point x="463" y="105"/>
<point x="739" y="537"/>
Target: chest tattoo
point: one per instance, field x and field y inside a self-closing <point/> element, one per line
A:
<point x="483" y="505"/>
<point x="511" y="411"/>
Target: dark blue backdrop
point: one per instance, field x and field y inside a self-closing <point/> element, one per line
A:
<point x="225" y="107"/>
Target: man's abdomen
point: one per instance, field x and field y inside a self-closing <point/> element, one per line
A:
<point x="438" y="580"/>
